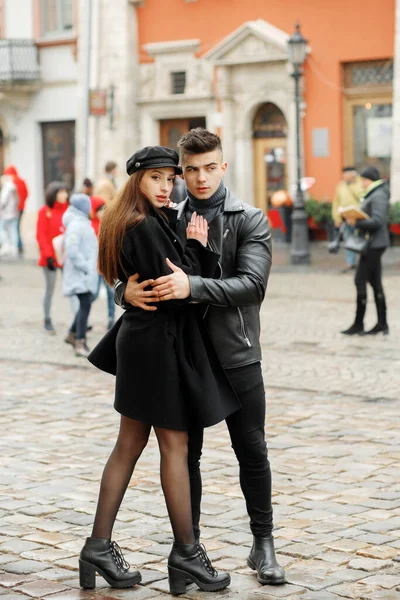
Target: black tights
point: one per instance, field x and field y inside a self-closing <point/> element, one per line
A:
<point x="132" y="440"/>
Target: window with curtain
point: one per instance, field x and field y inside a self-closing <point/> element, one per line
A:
<point x="57" y="16"/>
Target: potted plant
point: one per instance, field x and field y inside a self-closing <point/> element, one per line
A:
<point x="320" y="216"/>
<point x="394" y="218"/>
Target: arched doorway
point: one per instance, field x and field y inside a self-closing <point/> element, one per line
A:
<point x="270" y="153"/>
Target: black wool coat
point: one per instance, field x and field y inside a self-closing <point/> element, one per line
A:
<point x="167" y="372"/>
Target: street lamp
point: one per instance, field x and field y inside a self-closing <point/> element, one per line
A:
<point x="300" y="251"/>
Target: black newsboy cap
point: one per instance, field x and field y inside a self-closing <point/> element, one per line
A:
<point x="153" y="157"/>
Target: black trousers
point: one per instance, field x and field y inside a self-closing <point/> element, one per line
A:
<point x="81" y="318"/>
<point x="247" y="432"/>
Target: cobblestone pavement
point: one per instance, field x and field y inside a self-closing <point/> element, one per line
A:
<point x="333" y="435"/>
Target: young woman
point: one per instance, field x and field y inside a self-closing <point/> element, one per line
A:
<point x="164" y="376"/>
<point x="369" y="268"/>
<point x="49" y="226"/>
<point x="80" y="267"/>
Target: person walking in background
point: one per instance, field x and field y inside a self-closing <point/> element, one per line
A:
<point x="80" y="277"/>
<point x="49" y="225"/>
<point x="9" y="217"/>
<point x="348" y="192"/>
<point x="98" y="206"/>
<point x="22" y="191"/>
<point x="87" y="187"/>
<point x="106" y="188"/>
<point x="369" y="270"/>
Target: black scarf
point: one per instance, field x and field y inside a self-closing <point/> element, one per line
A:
<point x="209" y="208"/>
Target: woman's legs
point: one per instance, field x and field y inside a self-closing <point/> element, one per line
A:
<point x="175" y="482"/>
<point x="50" y="282"/>
<point x="375" y="279"/>
<point x="81" y="318"/>
<point x="132" y="439"/>
<point x="360" y="281"/>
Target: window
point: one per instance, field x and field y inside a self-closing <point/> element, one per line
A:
<point x="367" y="73"/>
<point x="178" y="82"/>
<point x="57" y="16"/>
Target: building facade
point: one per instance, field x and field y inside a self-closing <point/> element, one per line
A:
<point x="163" y="66"/>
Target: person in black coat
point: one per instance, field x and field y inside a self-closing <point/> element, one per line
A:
<point x="369" y="269"/>
<point x="231" y="298"/>
<point x="167" y="376"/>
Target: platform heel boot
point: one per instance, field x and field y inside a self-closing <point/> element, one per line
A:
<point x="190" y="563"/>
<point x="105" y="558"/>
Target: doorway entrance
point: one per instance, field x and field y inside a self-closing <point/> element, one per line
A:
<point x="59" y="152"/>
<point x="171" y="130"/>
<point x="270" y="153"/>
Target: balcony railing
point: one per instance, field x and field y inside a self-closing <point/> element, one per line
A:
<point x="18" y="62"/>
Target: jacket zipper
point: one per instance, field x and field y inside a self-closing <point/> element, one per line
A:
<point x="246" y="339"/>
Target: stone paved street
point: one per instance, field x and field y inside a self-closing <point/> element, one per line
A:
<point x="332" y="427"/>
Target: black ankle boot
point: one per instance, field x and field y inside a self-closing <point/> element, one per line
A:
<point x="378" y="329"/>
<point x="189" y="562"/>
<point x="263" y="560"/>
<point x="354" y="330"/>
<point x="105" y="557"/>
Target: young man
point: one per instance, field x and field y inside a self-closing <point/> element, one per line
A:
<point x="348" y="192"/>
<point x="240" y="233"/>
<point x="106" y="188"/>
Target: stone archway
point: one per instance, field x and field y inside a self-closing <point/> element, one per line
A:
<point x="270" y="131"/>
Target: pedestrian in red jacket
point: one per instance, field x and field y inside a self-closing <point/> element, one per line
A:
<point x="49" y="226"/>
<point x="22" y="192"/>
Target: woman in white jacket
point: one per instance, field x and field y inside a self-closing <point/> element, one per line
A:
<point x="80" y="276"/>
<point x="9" y="213"/>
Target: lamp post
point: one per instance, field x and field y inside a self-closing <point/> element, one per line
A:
<point x="300" y="247"/>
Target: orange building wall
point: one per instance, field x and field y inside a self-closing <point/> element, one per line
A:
<point x="340" y="31"/>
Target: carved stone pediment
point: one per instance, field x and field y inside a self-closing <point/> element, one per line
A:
<point x="254" y="41"/>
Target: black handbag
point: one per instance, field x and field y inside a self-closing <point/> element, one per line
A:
<point x="357" y="244"/>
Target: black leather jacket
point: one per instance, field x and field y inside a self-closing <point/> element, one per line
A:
<point x="242" y="237"/>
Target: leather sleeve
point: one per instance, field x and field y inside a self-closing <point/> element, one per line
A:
<point x="119" y="291"/>
<point x="253" y="264"/>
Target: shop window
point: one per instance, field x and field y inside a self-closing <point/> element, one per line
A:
<point x="57" y="16"/>
<point x="178" y="82"/>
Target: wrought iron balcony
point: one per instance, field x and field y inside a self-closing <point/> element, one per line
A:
<point x="18" y="62"/>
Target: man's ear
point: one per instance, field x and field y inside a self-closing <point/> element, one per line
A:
<point x="224" y="167"/>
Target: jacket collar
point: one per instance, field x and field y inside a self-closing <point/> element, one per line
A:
<point x="373" y="187"/>
<point x="231" y="204"/>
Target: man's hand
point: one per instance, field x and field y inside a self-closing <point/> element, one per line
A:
<point x="172" y="287"/>
<point x="136" y="295"/>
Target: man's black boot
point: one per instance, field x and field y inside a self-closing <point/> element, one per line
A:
<point x="190" y="563"/>
<point x="105" y="557"/>
<point x="263" y="560"/>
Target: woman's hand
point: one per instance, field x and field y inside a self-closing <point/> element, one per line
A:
<point x="351" y="222"/>
<point x="197" y="229"/>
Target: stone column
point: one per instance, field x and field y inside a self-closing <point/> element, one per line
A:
<point x="114" y="63"/>
<point x="395" y="168"/>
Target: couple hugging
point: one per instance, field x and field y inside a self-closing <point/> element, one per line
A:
<point x="186" y="353"/>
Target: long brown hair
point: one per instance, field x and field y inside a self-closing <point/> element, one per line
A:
<point x="126" y="210"/>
